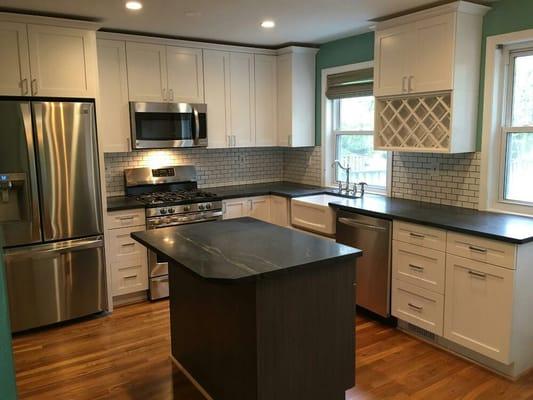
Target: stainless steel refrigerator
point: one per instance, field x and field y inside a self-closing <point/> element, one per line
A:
<point x="50" y="212"/>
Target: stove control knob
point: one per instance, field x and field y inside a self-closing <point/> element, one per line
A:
<point x="201" y="206"/>
<point x="171" y="211"/>
<point x="208" y="206"/>
<point x="163" y="211"/>
<point x="186" y="208"/>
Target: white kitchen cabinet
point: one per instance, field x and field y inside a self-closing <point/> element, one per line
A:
<point x="296" y="97"/>
<point x="147" y="72"/>
<point x="15" y="76"/>
<point x="114" y="116"/>
<point x="265" y="100"/>
<point x="185" y="74"/>
<point x="427" y="70"/>
<point x="235" y="208"/>
<point x="478" y="310"/>
<point x="62" y="61"/>
<point x="260" y="208"/>
<point x="242" y="122"/>
<point x="279" y="211"/>
<point x="216" y="78"/>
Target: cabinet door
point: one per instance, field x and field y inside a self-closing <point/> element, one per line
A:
<point x="393" y="58"/>
<point x="284" y="92"/>
<point x="216" y="81"/>
<point x="265" y="100"/>
<point x="242" y="99"/>
<point x="185" y="75"/>
<point x="236" y="208"/>
<point x="478" y="307"/>
<point x="279" y="211"/>
<point x="147" y="72"/>
<point x="114" y="122"/>
<point x="62" y="61"/>
<point x="15" y="64"/>
<point x="432" y="68"/>
<point x="260" y="208"/>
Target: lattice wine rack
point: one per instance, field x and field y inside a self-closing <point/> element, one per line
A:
<point x="418" y="123"/>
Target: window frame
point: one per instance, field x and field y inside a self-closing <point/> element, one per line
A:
<point x="330" y="114"/>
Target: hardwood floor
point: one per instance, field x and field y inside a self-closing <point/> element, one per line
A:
<point x="126" y="356"/>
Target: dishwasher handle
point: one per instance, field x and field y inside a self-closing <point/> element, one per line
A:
<point x="356" y="224"/>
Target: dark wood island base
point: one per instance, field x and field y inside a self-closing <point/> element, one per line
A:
<point x="271" y="320"/>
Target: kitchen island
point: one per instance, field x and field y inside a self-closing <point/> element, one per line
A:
<point x="258" y="311"/>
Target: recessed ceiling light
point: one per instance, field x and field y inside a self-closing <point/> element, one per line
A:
<point x="268" y="24"/>
<point x="134" y="5"/>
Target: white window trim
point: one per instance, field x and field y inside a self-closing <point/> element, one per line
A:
<point x="327" y="136"/>
<point x="493" y="112"/>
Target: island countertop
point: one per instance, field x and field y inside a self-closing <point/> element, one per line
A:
<point x="240" y="248"/>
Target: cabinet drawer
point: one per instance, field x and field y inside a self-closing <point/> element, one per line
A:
<point x="418" y="306"/>
<point x="130" y="279"/>
<point x="432" y="238"/>
<point x="479" y="307"/>
<point x="122" y="248"/>
<point x="121" y="219"/>
<point x="419" y="266"/>
<point x="481" y="249"/>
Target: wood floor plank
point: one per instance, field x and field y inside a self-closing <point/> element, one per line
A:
<point x="126" y="356"/>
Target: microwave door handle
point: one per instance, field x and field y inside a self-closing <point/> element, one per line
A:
<point x="196" y="126"/>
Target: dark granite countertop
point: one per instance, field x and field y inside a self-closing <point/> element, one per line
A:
<point x="240" y="248"/>
<point x="285" y="189"/>
<point x="118" y="203"/>
<point x="504" y="227"/>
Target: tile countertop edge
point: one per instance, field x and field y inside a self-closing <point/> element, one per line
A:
<point x="453" y="228"/>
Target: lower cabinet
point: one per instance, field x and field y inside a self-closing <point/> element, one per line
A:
<point x="273" y="209"/>
<point x="479" y="307"/>
<point x="126" y="258"/>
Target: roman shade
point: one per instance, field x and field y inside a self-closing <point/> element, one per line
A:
<point x="350" y="84"/>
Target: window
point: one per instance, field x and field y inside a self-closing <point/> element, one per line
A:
<point x="517" y="140"/>
<point x="353" y="128"/>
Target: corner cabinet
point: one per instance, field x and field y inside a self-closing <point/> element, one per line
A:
<point x="427" y="79"/>
<point x="45" y="60"/>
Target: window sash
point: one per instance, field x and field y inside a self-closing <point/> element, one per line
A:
<point x="504" y="141"/>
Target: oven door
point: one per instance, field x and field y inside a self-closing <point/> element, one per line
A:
<point x="167" y="125"/>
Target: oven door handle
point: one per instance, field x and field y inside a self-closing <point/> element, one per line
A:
<point x="196" y="126"/>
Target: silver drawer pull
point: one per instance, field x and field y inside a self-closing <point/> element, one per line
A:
<point x="126" y="218"/>
<point x="416" y="235"/>
<point x="128" y="244"/>
<point x="418" y="268"/>
<point x="417" y="308"/>
<point x="477" y="274"/>
<point x="478" y="249"/>
<point x="130" y="276"/>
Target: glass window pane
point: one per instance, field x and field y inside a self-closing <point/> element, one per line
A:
<point x="522" y="113"/>
<point x="366" y="165"/>
<point x="356" y="114"/>
<point x="519" y="167"/>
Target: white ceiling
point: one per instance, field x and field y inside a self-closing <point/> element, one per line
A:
<point x="303" y="21"/>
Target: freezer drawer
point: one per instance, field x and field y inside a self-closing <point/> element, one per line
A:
<point x="55" y="282"/>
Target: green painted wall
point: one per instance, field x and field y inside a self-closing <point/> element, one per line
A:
<point x="7" y="376"/>
<point x="349" y="50"/>
<point x="504" y="17"/>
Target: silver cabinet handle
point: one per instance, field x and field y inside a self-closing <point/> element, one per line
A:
<point x="414" y="307"/>
<point x="128" y="244"/>
<point x="24" y="86"/>
<point x="478" y="249"/>
<point x="164" y="91"/>
<point x="410" y="84"/>
<point x="171" y="94"/>
<point x="126" y="218"/>
<point x="418" y="268"/>
<point x="477" y="274"/>
<point x="34" y="87"/>
<point x="404" y="81"/>
<point x="130" y="276"/>
<point x="416" y="235"/>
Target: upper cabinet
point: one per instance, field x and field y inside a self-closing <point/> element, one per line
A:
<point x="296" y="97"/>
<point x="241" y="86"/>
<point x="113" y="115"/>
<point x="45" y="60"/>
<point x="427" y="79"/>
<point x="164" y="73"/>
<point x="265" y="100"/>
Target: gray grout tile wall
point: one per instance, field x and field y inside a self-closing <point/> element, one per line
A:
<point x="303" y="165"/>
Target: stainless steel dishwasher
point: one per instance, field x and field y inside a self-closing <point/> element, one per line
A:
<point x="373" y="271"/>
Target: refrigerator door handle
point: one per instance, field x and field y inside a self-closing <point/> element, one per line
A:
<point x="54" y="249"/>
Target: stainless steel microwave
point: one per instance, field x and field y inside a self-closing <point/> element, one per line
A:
<point x="167" y="125"/>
